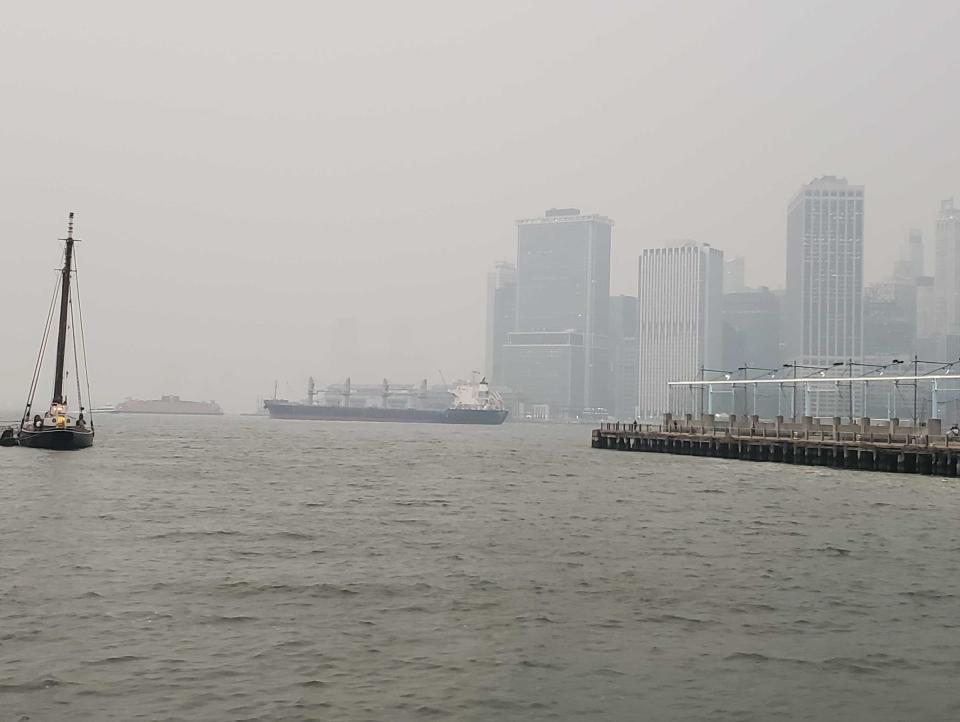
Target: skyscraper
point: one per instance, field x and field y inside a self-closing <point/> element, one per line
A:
<point x="751" y="338"/>
<point x="751" y="329"/>
<point x="913" y="252"/>
<point x="563" y="299"/>
<point x="501" y="317"/>
<point x="546" y="371"/>
<point x="825" y="277"/>
<point x="889" y="319"/>
<point x="926" y="319"/>
<point x="681" y="318"/>
<point x="734" y="275"/>
<point x="947" y="271"/>
<point x="624" y="352"/>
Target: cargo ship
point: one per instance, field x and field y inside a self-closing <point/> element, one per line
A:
<point x="168" y="405"/>
<point x="468" y="403"/>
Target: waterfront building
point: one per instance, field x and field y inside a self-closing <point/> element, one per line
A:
<point x="625" y="354"/>
<point x="501" y="317"/>
<point x="680" y="293"/>
<point x="824" y="293"/>
<point x="563" y="292"/>
<point x="548" y="370"/>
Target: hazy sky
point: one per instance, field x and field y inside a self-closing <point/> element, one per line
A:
<point x="274" y="190"/>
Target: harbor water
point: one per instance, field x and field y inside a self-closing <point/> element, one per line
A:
<point x="238" y="568"/>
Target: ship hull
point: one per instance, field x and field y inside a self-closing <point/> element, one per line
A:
<point x="410" y="416"/>
<point x="55" y="439"/>
<point x="491" y="417"/>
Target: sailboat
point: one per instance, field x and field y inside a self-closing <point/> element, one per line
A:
<point x="59" y="427"/>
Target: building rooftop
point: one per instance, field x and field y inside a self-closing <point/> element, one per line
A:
<point x="565" y="215"/>
<point x="680" y="243"/>
<point x="830" y="181"/>
<point x="826" y="185"/>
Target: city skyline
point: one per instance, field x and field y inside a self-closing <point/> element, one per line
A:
<point x="480" y="361"/>
<point x="681" y="312"/>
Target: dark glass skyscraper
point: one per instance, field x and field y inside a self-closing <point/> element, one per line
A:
<point x="751" y="330"/>
<point x="563" y="287"/>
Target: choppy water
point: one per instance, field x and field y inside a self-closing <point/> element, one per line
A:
<point x="244" y="569"/>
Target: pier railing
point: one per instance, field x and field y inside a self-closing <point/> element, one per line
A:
<point x="866" y="445"/>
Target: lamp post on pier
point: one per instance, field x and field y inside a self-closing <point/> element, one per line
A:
<point x="703" y="372"/>
<point x="745" y="368"/>
<point x="877" y="368"/>
<point x="821" y="370"/>
<point x="879" y="371"/>
<point x="941" y="365"/>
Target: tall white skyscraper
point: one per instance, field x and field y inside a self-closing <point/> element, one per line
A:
<point x="681" y="321"/>
<point x="947" y="268"/>
<point x="825" y="271"/>
<point x="825" y="279"/>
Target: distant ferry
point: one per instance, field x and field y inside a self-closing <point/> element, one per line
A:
<point x="169" y="405"/>
<point x="471" y="404"/>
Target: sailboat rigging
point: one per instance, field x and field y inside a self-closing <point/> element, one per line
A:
<point x="59" y="427"/>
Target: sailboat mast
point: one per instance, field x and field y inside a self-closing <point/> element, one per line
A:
<point x="64" y="310"/>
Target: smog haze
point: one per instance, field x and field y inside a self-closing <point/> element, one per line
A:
<point x="274" y="191"/>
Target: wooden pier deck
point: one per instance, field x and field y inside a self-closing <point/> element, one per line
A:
<point x="867" y="446"/>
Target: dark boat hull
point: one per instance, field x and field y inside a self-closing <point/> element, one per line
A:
<point x="56" y="439"/>
<point x="282" y="410"/>
<point x="475" y="416"/>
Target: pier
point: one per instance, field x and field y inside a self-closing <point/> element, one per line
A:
<point x="866" y="445"/>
